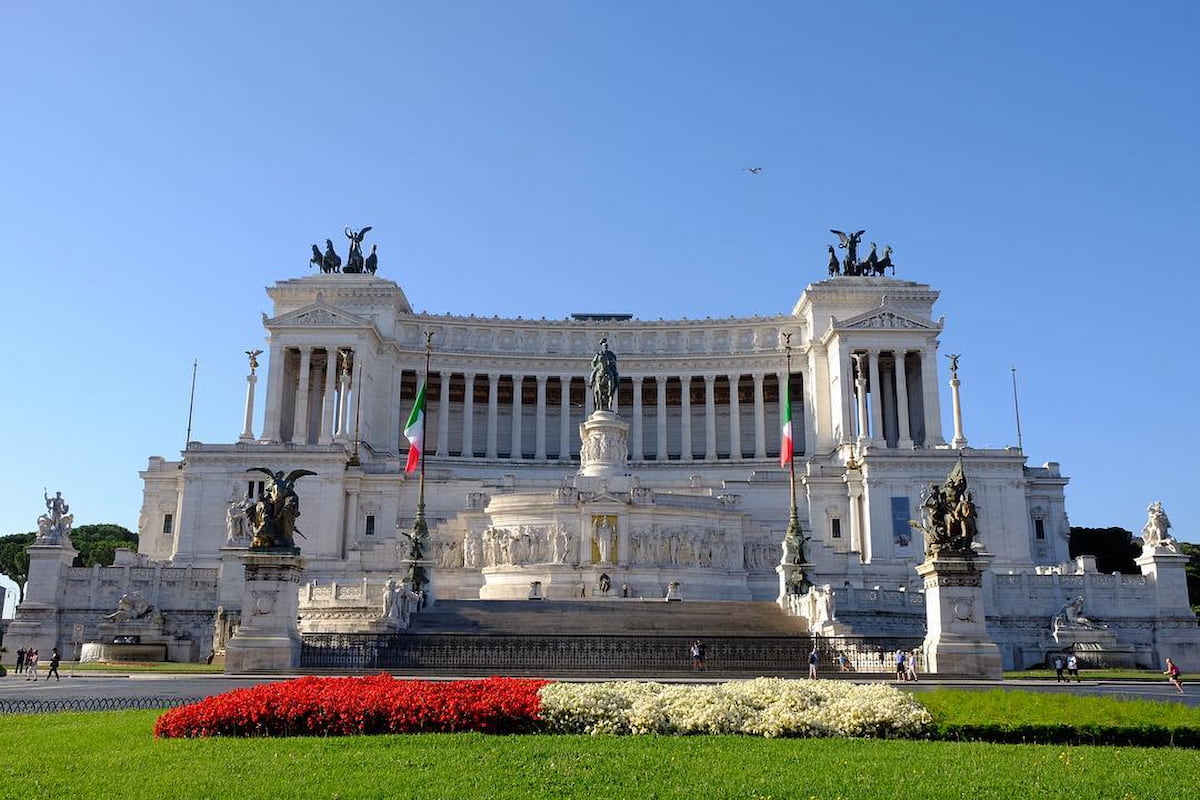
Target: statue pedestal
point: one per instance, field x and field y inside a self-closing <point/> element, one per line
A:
<point x="604" y="445"/>
<point x="791" y="576"/>
<point x="269" y="637"/>
<point x="956" y="642"/>
<point x="1175" y="630"/>
<point x="36" y="623"/>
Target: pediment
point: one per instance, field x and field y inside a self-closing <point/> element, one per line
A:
<point x="317" y="315"/>
<point x="884" y="319"/>
<point x="606" y="497"/>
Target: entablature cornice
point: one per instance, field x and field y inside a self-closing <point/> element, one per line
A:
<point x="629" y="367"/>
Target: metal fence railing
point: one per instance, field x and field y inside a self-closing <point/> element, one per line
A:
<point x="39" y="706"/>
<point x="592" y="654"/>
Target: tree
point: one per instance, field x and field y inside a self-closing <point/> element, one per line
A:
<point x="1114" y="548"/>
<point x="97" y="544"/>
<point x="14" y="561"/>
<point x="1192" y="551"/>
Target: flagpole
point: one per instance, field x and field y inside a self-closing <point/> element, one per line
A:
<point x="1017" y="409"/>
<point x="793" y="528"/>
<point x="420" y="526"/>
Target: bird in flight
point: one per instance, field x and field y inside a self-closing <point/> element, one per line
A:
<point x="753" y="170"/>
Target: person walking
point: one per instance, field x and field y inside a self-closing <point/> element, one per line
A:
<point x="1172" y="672"/>
<point x="54" y="659"/>
<point x="910" y="667"/>
<point x="697" y="664"/>
<point x="1072" y="667"/>
<point x="20" y="661"/>
<point x="900" y="670"/>
<point x="31" y="664"/>
<point x="813" y="659"/>
<point x="1058" y="668"/>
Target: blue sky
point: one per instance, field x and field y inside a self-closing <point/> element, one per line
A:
<point x="162" y="163"/>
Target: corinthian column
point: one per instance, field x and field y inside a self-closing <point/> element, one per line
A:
<point x="300" y="426"/>
<point x="539" y="444"/>
<point x="251" y="379"/>
<point x="635" y="443"/>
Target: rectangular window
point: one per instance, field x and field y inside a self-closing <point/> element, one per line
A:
<point x="1039" y="529"/>
<point x="901" y="530"/>
<point x="168" y="523"/>
<point x="835" y="528"/>
<point x="370" y="529"/>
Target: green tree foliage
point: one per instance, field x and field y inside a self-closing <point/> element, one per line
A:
<point x="1192" y="551"/>
<point x="1114" y="548"/>
<point x="97" y="544"/>
<point x="14" y="561"/>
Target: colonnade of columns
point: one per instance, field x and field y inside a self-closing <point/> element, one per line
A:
<point x="309" y="394"/>
<point x="892" y="399"/>
<point x="672" y="418"/>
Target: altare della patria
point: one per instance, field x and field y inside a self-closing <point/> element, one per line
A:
<point x="596" y="492"/>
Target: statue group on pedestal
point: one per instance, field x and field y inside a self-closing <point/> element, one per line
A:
<point x="399" y="602"/>
<point x="1155" y="533"/>
<point x="330" y="262"/>
<point x="1070" y="616"/>
<point x="54" y="527"/>
<point x="273" y="518"/>
<point x="873" y="265"/>
<point x="949" y="517"/>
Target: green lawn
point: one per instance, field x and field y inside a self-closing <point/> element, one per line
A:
<point x="112" y="755"/>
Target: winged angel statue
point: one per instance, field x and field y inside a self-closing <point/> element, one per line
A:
<point x="273" y="518"/>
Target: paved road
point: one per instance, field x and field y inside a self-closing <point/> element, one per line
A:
<point x="153" y="685"/>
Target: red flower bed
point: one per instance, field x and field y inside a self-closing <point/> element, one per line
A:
<point x="352" y="706"/>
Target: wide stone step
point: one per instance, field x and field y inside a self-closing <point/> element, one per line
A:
<point x="610" y="617"/>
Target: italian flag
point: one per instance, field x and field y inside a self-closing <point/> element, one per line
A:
<point x="414" y="431"/>
<point x="785" y="447"/>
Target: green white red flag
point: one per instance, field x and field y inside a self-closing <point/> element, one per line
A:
<point x="414" y="431"/>
<point x="785" y="446"/>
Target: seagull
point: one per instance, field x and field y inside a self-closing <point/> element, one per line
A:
<point x="753" y="170"/>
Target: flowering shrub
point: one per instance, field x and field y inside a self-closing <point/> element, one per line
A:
<point x="763" y="707"/>
<point x="348" y="706"/>
<point x="381" y="704"/>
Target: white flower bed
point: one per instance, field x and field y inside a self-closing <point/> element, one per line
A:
<point x="762" y="707"/>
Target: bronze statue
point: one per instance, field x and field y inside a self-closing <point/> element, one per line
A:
<point x="950" y="518"/>
<point x="273" y="518"/>
<point x="372" y="262"/>
<point x="604" y="380"/>
<point x="850" y="243"/>
<point x="354" y="259"/>
<point x="834" y="267"/>
<point x="317" y="259"/>
<point x="331" y="261"/>
<point x="871" y="262"/>
<point x="885" y="262"/>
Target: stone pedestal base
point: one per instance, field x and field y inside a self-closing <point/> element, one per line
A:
<point x="604" y="445"/>
<point x="957" y="642"/>
<point x="34" y="628"/>
<point x="791" y="578"/>
<point x="269" y="637"/>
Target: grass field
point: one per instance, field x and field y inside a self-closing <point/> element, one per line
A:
<point x="113" y="755"/>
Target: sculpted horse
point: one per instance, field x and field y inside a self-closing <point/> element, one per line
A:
<point x="331" y="261"/>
